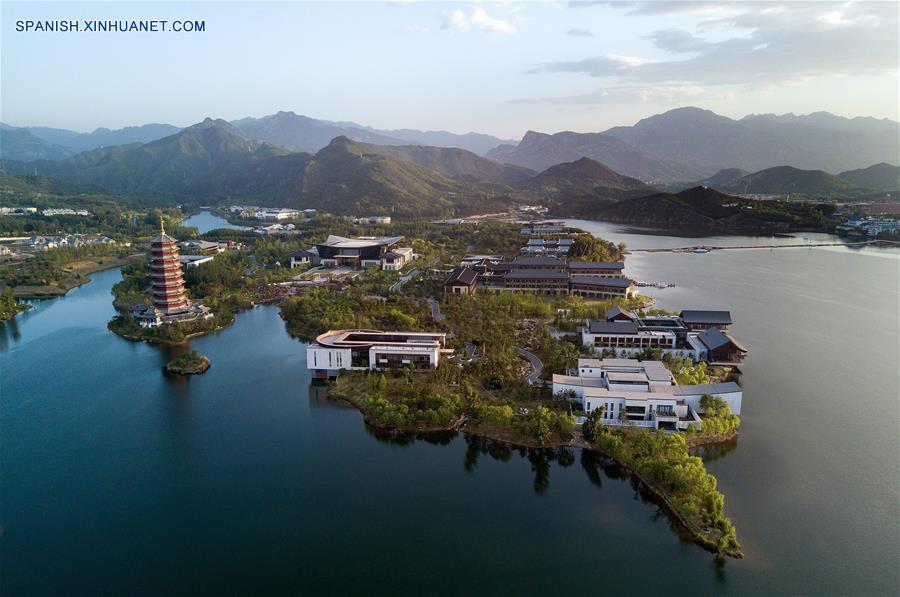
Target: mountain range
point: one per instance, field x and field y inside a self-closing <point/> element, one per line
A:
<point x="216" y="160"/>
<point x="285" y="129"/>
<point x="691" y="144"/>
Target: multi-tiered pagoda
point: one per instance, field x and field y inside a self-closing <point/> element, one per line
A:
<point x="165" y="274"/>
<point x="170" y="305"/>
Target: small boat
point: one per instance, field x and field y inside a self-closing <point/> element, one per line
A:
<point x="700" y="250"/>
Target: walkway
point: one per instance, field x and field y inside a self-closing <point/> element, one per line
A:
<point x="534" y="378"/>
<point x="403" y="280"/>
<point x="435" y="309"/>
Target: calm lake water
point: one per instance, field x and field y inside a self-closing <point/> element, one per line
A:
<point x="119" y="479"/>
<point x="205" y="220"/>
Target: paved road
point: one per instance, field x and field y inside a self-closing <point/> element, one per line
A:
<point x="534" y="378"/>
<point x="435" y="309"/>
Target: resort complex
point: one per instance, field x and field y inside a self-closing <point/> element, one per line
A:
<point x="361" y="350"/>
<point x="361" y="252"/>
<point x="700" y="335"/>
<point x="640" y="393"/>
<point x="169" y="303"/>
<point x="551" y="275"/>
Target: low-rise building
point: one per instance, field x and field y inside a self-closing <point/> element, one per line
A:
<point x="600" y="269"/>
<point x="703" y="320"/>
<point x="360" y="350"/>
<point x="538" y="263"/>
<point x="356" y="253"/>
<point x="202" y="247"/>
<point x="300" y="258"/>
<point x="721" y="347"/>
<point x="397" y="258"/>
<point x="194" y="260"/>
<point x="640" y="393"/>
<point x="541" y="281"/>
<point x="370" y="219"/>
<point x="600" y="288"/>
<point x="462" y="280"/>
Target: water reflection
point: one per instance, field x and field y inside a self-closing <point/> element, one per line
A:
<point x="9" y="332"/>
<point x="712" y="452"/>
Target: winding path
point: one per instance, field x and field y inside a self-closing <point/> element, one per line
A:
<point x="534" y="378"/>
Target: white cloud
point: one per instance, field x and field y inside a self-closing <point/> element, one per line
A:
<point x="631" y="94"/>
<point x="580" y="33"/>
<point x="417" y="29"/>
<point x="478" y="20"/>
<point x="786" y="42"/>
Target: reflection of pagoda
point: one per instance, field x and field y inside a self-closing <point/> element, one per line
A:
<point x="170" y="305"/>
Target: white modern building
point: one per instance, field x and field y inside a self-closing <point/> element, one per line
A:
<point x="360" y="350"/>
<point x="640" y="393"/>
<point x="396" y="259"/>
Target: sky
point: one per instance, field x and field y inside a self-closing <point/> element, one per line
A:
<point x="494" y="67"/>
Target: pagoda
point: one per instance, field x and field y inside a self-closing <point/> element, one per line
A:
<point x="166" y="281"/>
<point x="169" y="303"/>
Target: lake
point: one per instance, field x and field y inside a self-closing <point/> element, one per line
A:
<point x="117" y="478"/>
<point x="205" y="220"/>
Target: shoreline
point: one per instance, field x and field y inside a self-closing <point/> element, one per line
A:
<point x="576" y="441"/>
<point x="50" y="292"/>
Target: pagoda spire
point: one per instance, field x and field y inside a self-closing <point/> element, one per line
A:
<point x="162" y="228"/>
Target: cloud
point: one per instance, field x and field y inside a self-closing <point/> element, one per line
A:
<point x="677" y="40"/>
<point x="478" y="20"/>
<point x="655" y="94"/>
<point x="417" y="29"/>
<point x="599" y="66"/>
<point x="780" y="43"/>
<point x="580" y="33"/>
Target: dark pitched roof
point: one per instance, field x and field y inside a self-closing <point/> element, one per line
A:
<point x="302" y="253"/>
<point x="518" y="261"/>
<point x="615" y="311"/>
<point x="716" y="317"/>
<point x="528" y="274"/>
<point x="714" y="338"/>
<point x="462" y="275"/>
<point x="390" y="255"/>
<point x="596" y="265"/>
<point x="596" y="326"/>
<point x="607" y="282"/>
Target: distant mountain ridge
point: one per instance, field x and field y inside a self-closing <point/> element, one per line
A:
<point x="820" y="141"/>
<point x="879" y="177"/>
<point x="540" y="151"/>
<point x="56" y="144"/>
<point x="693" y="144"/>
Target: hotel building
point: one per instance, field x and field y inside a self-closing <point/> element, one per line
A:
<point x="361" y="350"/>
<point x="640" y="393"/>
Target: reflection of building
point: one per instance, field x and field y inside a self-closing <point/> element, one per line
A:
<point x="359" y="350"/>
<point x="170" y="304"/>
<point x="640" y="393"/>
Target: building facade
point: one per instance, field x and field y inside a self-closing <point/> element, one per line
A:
<point x="361" y="350"/>
<point x="640" y="393"/>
